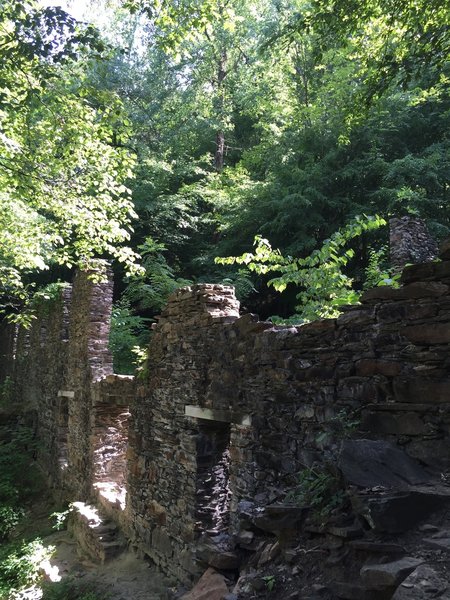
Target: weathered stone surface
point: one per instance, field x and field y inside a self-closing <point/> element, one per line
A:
<point x="211" y="586"/>
<point x="421" y="389"/>
<point x="382" y="422"/>
<point x="369" y="463"/>
<point x="353" y="591"/>
<point x="432" y="453"/>
<point x="438" y="333"/>
<point x="423" y="583"/>
<point x="421" y="271"/>
<point x="216" y="554"/>
<point x="388" y="574"/>
<point x="412" y="291"/>
<point x="383" y="292"/>
<point x="410" y="241"/>
<point x="279" y="518"/>
<point x="367" y="367"/>
<point x="98" y="537"/>
<point x="377" y="547"/>
<point x="303" y="388"/>
<point x="348" y="532"/>
<point x="440" y="540"/>
<point x="400" y="511"/>
<point x="442" y="270"/>
<point x="269" y="553"/>
<point x="423" y="289"/>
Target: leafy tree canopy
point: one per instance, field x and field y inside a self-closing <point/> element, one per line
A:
<point x="63" y="161"/>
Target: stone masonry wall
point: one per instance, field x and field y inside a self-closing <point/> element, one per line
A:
<point x="37" y="373"/>
<point x="111" y="399"/>
<point x="289" y="394"/>
<point x="162" y="443"/>
<point x="7" y="351"/>
<point x="89" y="360"/>
<point x="53" y="370"/>
<point x="284" y="396"/>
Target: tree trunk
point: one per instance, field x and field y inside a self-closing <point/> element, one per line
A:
<point x="219" y="157"/>
<point x="220" y="151"/>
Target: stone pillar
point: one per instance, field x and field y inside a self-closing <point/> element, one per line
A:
<point x="410" y="242"/>
<point x="164" y="432"/>
<point x="89" y="360"/>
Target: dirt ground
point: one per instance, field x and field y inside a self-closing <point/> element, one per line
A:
<point x="124" y="578"/>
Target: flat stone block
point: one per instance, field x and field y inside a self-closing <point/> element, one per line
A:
<point x="422" y="390"/>
<point x="429" y="333"/>
<point x="223" y="416"/>
<point x="388" y="574"/>
<point x="423" y="583"/>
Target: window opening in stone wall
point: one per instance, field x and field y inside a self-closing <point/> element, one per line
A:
<point x="110" y="448"/>
<point x="213" y="490"/>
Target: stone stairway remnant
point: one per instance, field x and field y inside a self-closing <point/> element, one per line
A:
<point x="98" y="537"/>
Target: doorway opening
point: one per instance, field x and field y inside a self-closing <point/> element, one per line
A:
<point x="213" y="490"/>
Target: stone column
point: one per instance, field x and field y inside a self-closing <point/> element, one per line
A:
<point x="410" y="242"/>
<point x="89" y="360"/>
<point x="164" y="432"/>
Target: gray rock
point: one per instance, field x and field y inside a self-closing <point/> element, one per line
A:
<point x="245" y="537"/>
<point x="217" y="554"/>
<point x="211" y="586"/>
<point x="279" y="518"/>
<point x="442" y="543"/>
<point x="352" y="591"/>
<point x="388" y="574"/>
<point x="377" y="547"/>
<point x="348" y="532"/>
<point x="397" y="512"/>
<point x="269" y="553"/>
<point x="369" y="463"/>
<point x="423" y="583"/>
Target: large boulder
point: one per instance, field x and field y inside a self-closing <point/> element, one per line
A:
<point x="211" y="586"/>
<point x="423" y="583"/>
<point x="373" y="463"/>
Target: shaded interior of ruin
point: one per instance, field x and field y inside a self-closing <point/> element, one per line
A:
<point x="213" y="493"/>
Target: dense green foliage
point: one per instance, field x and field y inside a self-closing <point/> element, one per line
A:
<point x="20" y="481"/>
<point x="323" y="284"/>
<point x="313" y="136"/>
<point x="69" y="589"/>
<point x="19" y="566"/>
<point x="63" y="165"/>
<point x="20" y="484"/>
<point x="226" y="120"/>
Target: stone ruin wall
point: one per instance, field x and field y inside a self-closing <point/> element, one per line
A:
<point x="57" y="364"/>
<point x="288" y="393"/>
<point x="283" y="396"/>
<point x="88" y="361"/>
<point x="38" y="372"/>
